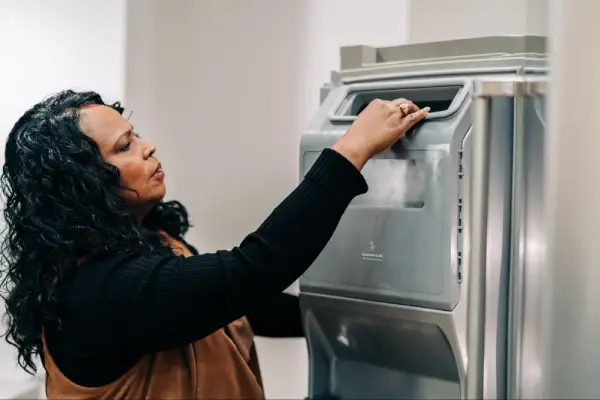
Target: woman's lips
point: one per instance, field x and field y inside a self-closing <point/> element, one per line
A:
<point x="158" y="173"/>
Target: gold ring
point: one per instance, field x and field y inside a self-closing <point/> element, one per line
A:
<point x="404" y="109"/>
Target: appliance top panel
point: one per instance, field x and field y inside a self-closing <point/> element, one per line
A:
<point x="361" y="56"/>
<point x="521" y="54"/>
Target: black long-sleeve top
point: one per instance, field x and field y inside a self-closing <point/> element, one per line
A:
<point x="277" y="317"/>
<point x="118" y="309"/>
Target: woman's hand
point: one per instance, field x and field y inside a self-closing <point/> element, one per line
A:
<point x="377" y="128"/>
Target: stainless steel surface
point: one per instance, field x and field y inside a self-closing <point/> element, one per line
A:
<point x="509" y="86"/>
<point x="478" y="251"/>
<point x="524" y="346"/>
<point x="517" y="284"/>
<point x="371" y="350"/>
<point x="498" y="249"/>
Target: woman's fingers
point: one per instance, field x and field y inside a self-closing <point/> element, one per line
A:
<point x="411" y="119"/>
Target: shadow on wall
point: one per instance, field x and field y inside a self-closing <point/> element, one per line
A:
<point x="215" y="85"/>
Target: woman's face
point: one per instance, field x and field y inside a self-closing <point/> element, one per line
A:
<point x="134" y="157"/>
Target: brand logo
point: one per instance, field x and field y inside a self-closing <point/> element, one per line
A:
<point x="372" y="255"/>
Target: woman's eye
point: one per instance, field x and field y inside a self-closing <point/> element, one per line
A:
<point x="137" y="135"/>
<point x="125" y="147"/>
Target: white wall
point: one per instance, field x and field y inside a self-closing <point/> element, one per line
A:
<point x="47" y="46"/>
<point x="224" y="88"/>
<point x="434" y="20"/>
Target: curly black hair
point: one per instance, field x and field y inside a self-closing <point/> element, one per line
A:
<point x="62" y="202"/>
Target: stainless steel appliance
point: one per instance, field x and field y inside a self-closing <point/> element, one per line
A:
<point x="430" y="265"/>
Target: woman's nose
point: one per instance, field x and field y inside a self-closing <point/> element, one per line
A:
<point x="149" y="150"/>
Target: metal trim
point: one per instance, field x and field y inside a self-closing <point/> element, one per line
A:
<point x="476" y="291"/>
<point x="510" y="86"/>
<point x="517" y="270"/>
<point x="437" y="68"/>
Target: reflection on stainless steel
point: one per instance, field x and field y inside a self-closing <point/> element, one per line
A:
<point x="528" y="265"/>
<point x="515" y="320"/>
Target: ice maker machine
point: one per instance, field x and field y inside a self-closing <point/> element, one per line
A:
<point x="384" y="305"/>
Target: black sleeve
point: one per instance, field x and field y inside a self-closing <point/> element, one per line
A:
<point x="278" y="317"/>
<point x="158" y="302"/>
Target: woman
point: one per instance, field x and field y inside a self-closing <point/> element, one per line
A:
<point x="100" y="282"/>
